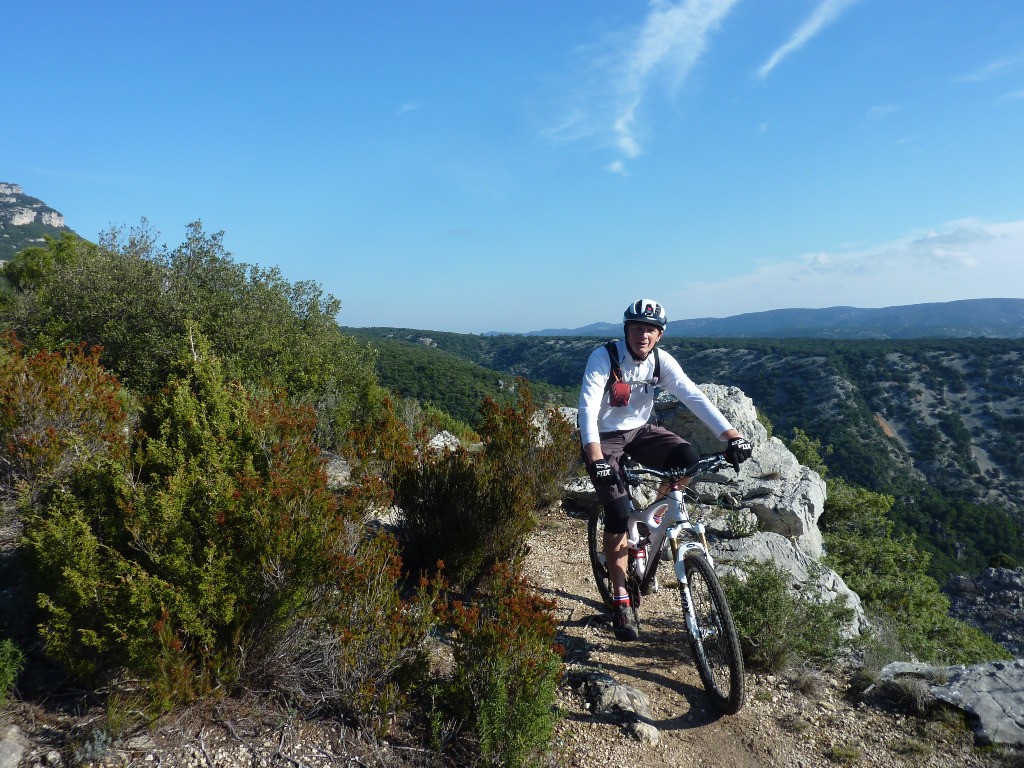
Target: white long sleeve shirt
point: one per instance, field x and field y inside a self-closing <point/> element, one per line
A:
<point x="596" y="415"/>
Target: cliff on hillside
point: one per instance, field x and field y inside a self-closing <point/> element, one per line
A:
<point x="25" y="221"/>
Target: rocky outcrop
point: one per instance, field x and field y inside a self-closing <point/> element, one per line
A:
<point x="991" y="694"/>
<point x="786" y="498"/>
<point x="25" y="221"/>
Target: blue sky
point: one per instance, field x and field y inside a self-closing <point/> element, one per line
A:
<point x="478" y="166"/>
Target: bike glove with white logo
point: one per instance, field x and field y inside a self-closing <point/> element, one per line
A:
<point x="739" y="450"/>
<point x="603" y="473"/>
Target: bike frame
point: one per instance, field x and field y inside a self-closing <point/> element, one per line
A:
<point x="675" y="527"/>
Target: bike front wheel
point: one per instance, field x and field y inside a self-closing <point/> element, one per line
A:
<point x="595" y="545"/>
<point x="715" y="644"/>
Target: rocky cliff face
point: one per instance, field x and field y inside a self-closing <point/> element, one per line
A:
<point x="25" y="221"/>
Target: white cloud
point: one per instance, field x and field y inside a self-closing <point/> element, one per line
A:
<point x="963" y="260"/>
<point x="667" y="45"/>
<point x="824" y="14"/>
<point x="673" y="38"/>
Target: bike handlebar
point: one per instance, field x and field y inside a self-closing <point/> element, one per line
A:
<point x="634" y="471"/>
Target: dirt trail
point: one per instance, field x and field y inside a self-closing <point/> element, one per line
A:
<point x="777" y="726"/>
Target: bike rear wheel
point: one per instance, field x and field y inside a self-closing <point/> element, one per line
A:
<point x="715" y="645"/>
<point x="595" y="545"/>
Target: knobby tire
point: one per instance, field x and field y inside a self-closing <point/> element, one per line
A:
<point x="595" y="543"/>
<point x="716" y="648"/>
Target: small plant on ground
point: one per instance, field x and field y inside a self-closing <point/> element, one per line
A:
<point x="843" y="754"/>
<point x="507" y="669"/>
<point x="778" y="627"/>
<point x="807" y="680"/>
<point x="12" y="661"/>
<point x="909" y="746"/>
<point x="794" y="723"/>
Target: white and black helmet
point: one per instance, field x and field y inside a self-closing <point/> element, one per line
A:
<point x="646" y="311"/>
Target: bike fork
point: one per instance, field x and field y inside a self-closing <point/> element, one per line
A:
<point x="678" y="553"/>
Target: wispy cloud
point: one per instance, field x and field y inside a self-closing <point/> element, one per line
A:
<point x="409" y="106"/>
<point x="673" y="38"/>
<point x="993" y="69"/>
<point x="665" y="47"/>
<point x="824" y="14"/>
<point x="961" y="260"/>
<point x="882" y="110"/>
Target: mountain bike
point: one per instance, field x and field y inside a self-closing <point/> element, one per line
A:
<point x="663" y="530"/>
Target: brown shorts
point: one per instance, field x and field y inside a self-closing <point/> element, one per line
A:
<point x="651" y="445"/>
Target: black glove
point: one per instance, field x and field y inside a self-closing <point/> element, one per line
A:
<point x="739" y="450"/>
<point x="603" y="473"/>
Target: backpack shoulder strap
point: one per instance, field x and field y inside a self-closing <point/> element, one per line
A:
<point x="657" y="367"/>
<point x="613" y="355"/>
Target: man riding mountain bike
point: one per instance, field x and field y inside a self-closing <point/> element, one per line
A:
<point x="616" y="401"/>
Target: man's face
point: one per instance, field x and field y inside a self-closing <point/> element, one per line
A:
<point x="641" y="338"/>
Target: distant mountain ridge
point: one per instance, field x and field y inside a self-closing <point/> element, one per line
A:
<point x="968" y="318"/>
<point x="25" y="221"/>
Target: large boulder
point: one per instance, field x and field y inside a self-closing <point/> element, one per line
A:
<point x="786" y="497"/>
<point x="804" y="573"/>
<point x="991" y="694"/>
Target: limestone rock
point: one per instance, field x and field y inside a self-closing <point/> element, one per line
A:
<point x="805" y="573"/>
<point x="991" y="694"/>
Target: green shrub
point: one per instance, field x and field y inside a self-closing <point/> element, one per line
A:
<point x="459" y="512"/>
<point x="214" y="542"/>
<point x="472" y="511"/>
<point x="507" y="669"/>
<point x="520" y="441"/>
<point x="359" y="653"/>
<point x="12" y="661"/>
<point x="1003" y="560"/>
<point x="891" y="576"/>
<point x="136" y="300"/>
<point x="808" y="451"/>
<point x="779" y="627"/>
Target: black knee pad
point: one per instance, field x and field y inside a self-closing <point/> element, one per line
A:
<point x="682" y="456"/>
<point x="616" y="515"/>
